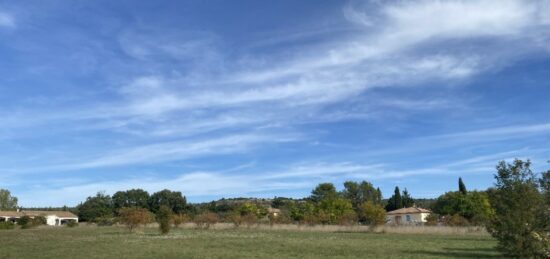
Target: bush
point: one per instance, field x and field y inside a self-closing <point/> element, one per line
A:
<point x="164" y="215"/>
<point x="250" y="220"/>
<point x="105" y="221"/>
<point x="456" y="221"/>
<point x="71" y="223"/>
<point x="179" y="219"/>
<point x="38" y="220"/>
<point x="372" y="214"/>
<point x="236" y="219"/>
<point x="133" y="217"/>
<point x="28" y="222"/>
<point x="6" y="225"/>
<point x="281" y="218"/>
<point x="205" y="220"/>
<point x="24" y="221"/>
<point x="432" y="220"/>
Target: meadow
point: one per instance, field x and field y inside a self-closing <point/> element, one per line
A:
<point x="117" y="242"/>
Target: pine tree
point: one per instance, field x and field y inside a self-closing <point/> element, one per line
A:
<point x="519" y="223"/>
<point x="378" y="196"/>
<point x="461" y="186"/>
<point x="407" y="200"/>
<point x="395" y="202"/>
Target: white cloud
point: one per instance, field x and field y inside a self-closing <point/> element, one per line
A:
<point x="177" y="150"/>
<point x="236" y="183"/>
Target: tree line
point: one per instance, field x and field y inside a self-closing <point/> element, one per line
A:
<point x="516" y="210"/>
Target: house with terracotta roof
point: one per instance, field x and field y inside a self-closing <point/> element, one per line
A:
<point x="407" y="216"/>
<point x="53" y="218"/>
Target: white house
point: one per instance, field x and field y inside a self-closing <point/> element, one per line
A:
<point x="404" y="216"/>
<point x="53" y="218"/>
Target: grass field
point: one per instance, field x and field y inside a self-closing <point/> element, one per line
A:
<point x="115" y="242"/>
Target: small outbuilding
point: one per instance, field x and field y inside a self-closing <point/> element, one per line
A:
<point x="274" y="212"/>
<point x="407" y="216"/>
<point x="53" y="218"/>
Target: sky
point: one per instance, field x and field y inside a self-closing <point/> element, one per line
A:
<point x="268" y="98"/>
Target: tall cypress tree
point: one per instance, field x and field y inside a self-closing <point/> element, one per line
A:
<point x="461" y="186"/>
<point x="398" y="198"/>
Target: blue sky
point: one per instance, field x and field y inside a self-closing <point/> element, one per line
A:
<point x="256" y="98"/>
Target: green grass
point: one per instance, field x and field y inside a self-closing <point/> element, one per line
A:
<point x="113" y="242"/>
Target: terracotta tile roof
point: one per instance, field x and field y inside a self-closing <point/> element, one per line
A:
<point x="410" y="210"/>
<point x="10" y="214"/>
<point x="34" y="213"/>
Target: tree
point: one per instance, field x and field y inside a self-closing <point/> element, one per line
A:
<point x="372" y="213"/>
<point x="461" y="186"/>
<point x="519" y="224"/>
<point x="323" y="191"/>
<point x="395" y="201"/>
<point x="335" y="210"/>
<point x="94" y="208"/>
<point x="134" y="217"/>
<point x="249" y="208"/>
<point x="7" y="202"/>
<point x="359" y="193"/>
<point x="279" y="202"/>
<point x="378" y="196"/>
<point x="299" y="211"/>
<point x="173" y="200"/>
<point x="131" y="198"/>
<point x="406" y="199"/>
<point x="164" y="215"/>
<point x="206" y="219"/>
<point x="474" y="206"/>
<point x="544" y="183"/>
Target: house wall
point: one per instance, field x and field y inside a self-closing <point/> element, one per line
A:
<point x="413" y="218"/>
<point x="54" y="220"/>
<point x="50" y="220"/>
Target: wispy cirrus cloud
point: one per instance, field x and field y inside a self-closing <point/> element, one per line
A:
<point x="148" y="154"/>
<point x="246" y="181"/>
<point x="158" y="94"/>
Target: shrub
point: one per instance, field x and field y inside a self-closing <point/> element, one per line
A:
<point x="164" y="215"/>
<point x="134" y="217"/>
<point x="205" y="220"/>
<point x="456" y="221"/>
<point x="313" y="219"/>
<point x="71" y="223"/>
<point x="24" y="221"/>
<point x="432" y="220"/>
<point x="105" y="221"/>
<point x="38" y="220"/>
<point x="372" y="214"/>
<point x="250" y="220"/>
<point x="179" y="219"/>
<point x="6" y="225"/>
<point x="28" y="222"/>
<point x="281" y="218"/>
<point x="236" y="219"/>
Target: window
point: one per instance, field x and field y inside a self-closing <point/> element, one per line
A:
<point x="408" y="217"/>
